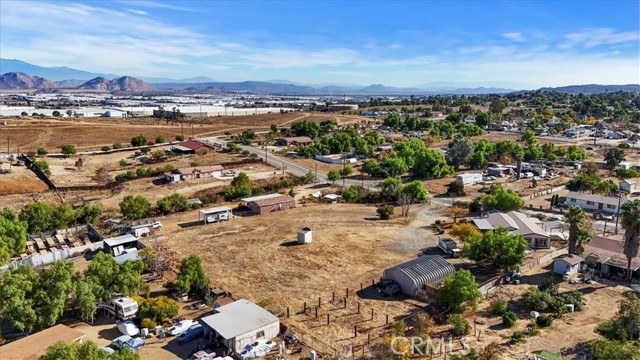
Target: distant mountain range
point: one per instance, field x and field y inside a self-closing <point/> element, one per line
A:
<point x="592" y="89"/>
<point x="15" y="78"/>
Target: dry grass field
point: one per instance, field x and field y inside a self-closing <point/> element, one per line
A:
<point x="20" y="181"/>
<point x="92" y="134"/>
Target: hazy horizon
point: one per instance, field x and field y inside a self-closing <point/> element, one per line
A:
<point x="491" y="44"/>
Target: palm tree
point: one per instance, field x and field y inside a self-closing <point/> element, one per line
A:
<point x="631" y="223"/>
<point x="576" y="219"/>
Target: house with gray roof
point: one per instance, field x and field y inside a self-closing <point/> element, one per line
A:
<point x="518" y="224"/>
<point x="592" y="202"/>
<point x="420" y="275"/>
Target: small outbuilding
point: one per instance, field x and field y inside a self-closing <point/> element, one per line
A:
<point x="628" y="185"/>
<point x="268" y="203"/>
<point x="119" y="244"/>
<point x="240" y="323"/>
<point x="420" y="275"/>
<point x="211" y="215"/>
<point x="304" y="235"/>
<point x="567" y="264"/>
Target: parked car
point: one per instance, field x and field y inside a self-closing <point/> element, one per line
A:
<point x="128" y="328"/>
<point x="181" y="327"/>
<point x="126" y="341"/>
<point x="193" y="332"/>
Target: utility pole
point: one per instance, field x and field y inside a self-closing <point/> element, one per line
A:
<point x="266" y="154"/>
<point x="344" y="166"/>
<point x="315" y="179"/>
<point x="618" y="210"/>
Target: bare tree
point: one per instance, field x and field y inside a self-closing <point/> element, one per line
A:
<point x="159" y="258"/>
<point x="102" y="174"/>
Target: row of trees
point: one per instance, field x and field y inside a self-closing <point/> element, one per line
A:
<point x="135" y="207"/>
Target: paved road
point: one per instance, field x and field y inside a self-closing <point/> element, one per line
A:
<point x="291" y="166"/>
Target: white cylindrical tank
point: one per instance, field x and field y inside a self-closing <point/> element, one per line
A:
<point x="312" y="355"/>
<point x="304" y="236"/>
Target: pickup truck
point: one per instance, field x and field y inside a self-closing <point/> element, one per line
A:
<point x="449" y="247"/>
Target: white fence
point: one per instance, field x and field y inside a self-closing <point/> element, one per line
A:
<point x="543" y="192"/>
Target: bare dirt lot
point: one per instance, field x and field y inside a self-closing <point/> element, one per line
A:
<point x="86" y="134"/>
<point x="20" y="181"/>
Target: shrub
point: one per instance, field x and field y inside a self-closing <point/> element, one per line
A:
<point x="438" y="222"/>
<point x="123" y="162"/>
<point x="537" y="300"/>
<point x="461" y="326"/>
<point x="498" y="307"/>
<point x="385" y="212"/>
<point x="544" y="321"/>
<point x="148" y="323"/>
<point x="105" y="148"/>
<point x="180" y="137"/>
<point x="42" y="151"/>
<point x="159" y="308"/>
<point x="117" y="146"/>
<point x="161" y="139"/>
<point x="518" y="337"/>
<point x="509" y="318"/>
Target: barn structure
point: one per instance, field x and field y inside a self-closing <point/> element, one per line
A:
<point x="420" y="276"/>
<point x="268" y="203"/>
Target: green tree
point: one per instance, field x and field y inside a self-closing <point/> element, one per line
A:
<point x="39" y="217"/>
<point x="16" y="306"/>
<point x="458" y="291"/>
<point x="55" y="113"/>
<point x="393" y="166"/>
<point x="498" y="249"/>
<point x="107" y="277"/>
<point x="87" y="350"/>
<point x="411" y="193"/>
<point x="393" y="120"/>
<point x="613" y="157"/>
<point x="497" y="106"/>
<point x="85" y="299"/>
<point x="371" y="167"/>
<point x="192" y="277"/>
<point x="68" y="149"/>
<point x="576" y="219"/>
<point x="460" y="150"/>
<point x="346" y="171"/>
<point x="160" y="139"/>
<point x="179" y="137"/>
<point x="350" y="194"/>
<point x="483" y="119"/>
<point x="105" y="148"/>
<point x="305" y="128"/>
<point x="501" y="199"/>
<point x="604" y="349"/>
<point x="116" y="146"/>
<point x="51" y="292"/>
<point x="135" y="207"/>
<point x="138" y="141"/>
<point x="42" y="151"/>
<point x="13" y="236"/>
<point x="391" y="187"/>
<point x="460" y="326"/>
<point x="172" y="204"/>
<point x="430" y="164"/>
<point x="333" y="176"/>
<point x="631" y="223"/>
<point x="242" y="179"/>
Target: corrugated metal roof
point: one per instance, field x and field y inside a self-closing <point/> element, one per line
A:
<point x="119" y="240"/>
<point x="261" y="197"/>
<point x="239" y="317"/>
<point x="215" y="210"/>
<point x="483" y="224"/>
<point x="426" y="269"/>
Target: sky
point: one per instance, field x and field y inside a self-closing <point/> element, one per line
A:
<point x="516" y="44"/>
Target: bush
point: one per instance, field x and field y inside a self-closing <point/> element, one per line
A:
<point x="116" y="146"/>
<point x="148" y="323"/>
<point x="385" y="212"/>
<point x="158" y="309"/>
<point x="105" y="148"/>
<point x="461" y="326"/>
<point x="160" y="139"/>
<point x="544" y="321"/>
<point x="537" y="300"/>
<point x="475" y="206"/>
<point x="438" y="222"/>
<point x="509" y="318"/>
<point x="498" y="307"/>
<point x="518" y="337"/>
<point x="179" y="137"/>
<point x="42" y="151"/>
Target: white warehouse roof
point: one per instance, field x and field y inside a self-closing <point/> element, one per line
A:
<point x="261" y="197"/>
<point x="238" y="318"/>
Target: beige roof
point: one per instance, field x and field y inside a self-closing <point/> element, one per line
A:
<point x="199" y="169"/>
<point x="519" y="223"/>
<point x="570" y="259"/>
<point x="610" y="251"/>
<point x="298" y="139"/>
<point x="598" y="199"/>
<point x="34" y="346"/>
<point x="275" y="200"/>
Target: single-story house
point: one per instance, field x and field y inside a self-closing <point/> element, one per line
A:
<point x="606" y="256"/>
<point x="211" y="215"/>
<point x="336" y="159"/>
<point x="567" y="264"/>
<point x="294" y="141"/>
<point x="196" y="172"/>
<point x="192" y="147"/>
<point x="240" y="323"/>
<point x="498" y="171"/>
<point x="35" y="345"/>
<point x="268" y="203"/>
<point x="628" y="185"/>
<point x="588" y="201"/>
<point x="422" y="274"/>
<point x="121" y="244"/>
<point x="518" y="224"/>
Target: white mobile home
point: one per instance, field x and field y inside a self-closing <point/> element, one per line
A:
<point x="628" y="186"/>
<point x="468" y="179"/>
<point x="240" y="323"/>
<point x="586" y="201"/>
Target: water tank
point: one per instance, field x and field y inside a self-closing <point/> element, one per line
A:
<point x="304" y="235"/>
<point x="570" y="307"/>
<point x="144" y="333"/>
<point x="312" y="355"/>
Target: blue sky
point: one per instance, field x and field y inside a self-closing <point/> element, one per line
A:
<point x="411" y="43"/>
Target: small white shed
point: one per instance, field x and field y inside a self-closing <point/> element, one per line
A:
<point x="304" y="235"/>
<point x="567" y="264"/>
<point x="628" y="185"/>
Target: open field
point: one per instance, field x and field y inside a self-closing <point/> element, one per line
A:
<point x="92" y="134"/>
<point x="20" y="181"/>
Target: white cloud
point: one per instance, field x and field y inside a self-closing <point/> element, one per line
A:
<point x="291" y="58"/>
<point x="157" y="5"/>
<point x="589" y="38"/>
<point x="515" y="36"/>
<point x="137" y="12"/>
